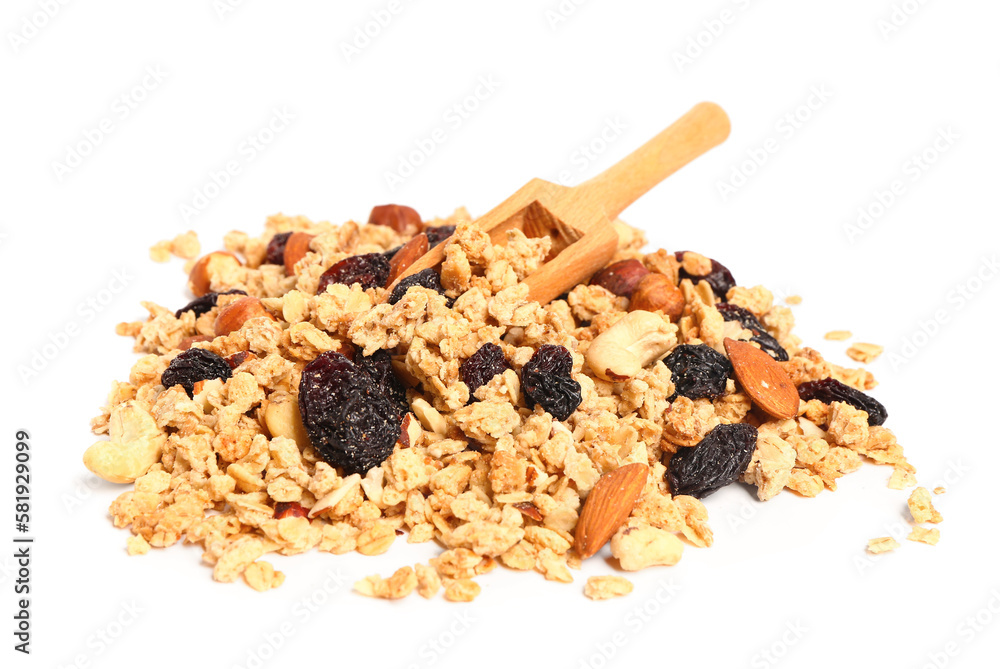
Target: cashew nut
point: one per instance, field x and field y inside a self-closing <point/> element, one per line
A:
<point x="134" y="447"/>
<point x="638" y="339"/>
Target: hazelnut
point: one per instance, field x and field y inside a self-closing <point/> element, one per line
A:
<point x="657" y="293"/>
<point x="232" y="316"/>
<point x="620" y="277"/>
<point x="295" y="248"/>
<point x="397" y="217"/>
<point x="208" y="267"/>
<point x="406" y="256"/>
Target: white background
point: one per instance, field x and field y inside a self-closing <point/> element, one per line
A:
<point x="794" y="577"/>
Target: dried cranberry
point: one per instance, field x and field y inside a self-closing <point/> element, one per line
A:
<point x="547" y="379"/>
<point x="192" y="366"/>
<point x="698" y="371"/>
<point x="205" y="303"/>
<point x="378" y="367"/>
<point x="349" y="421"/>
<point x="276" y="249"/>
<point x="716" y="461"/>
<point x="427" y="278"/>
<point x="437" y="235"/>
<point x="371" y="270"/>
<point x="482" y="366"/>
<point x="832" y="390"/>
<point x="720" y="278"/>
<point x="731" y="312"/>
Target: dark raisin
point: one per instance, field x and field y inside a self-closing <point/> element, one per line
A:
<point x="720" y="278"/>
<point x="762" y="337"/>
<point x="193" y="365"/>
<point x="276" y="249"/>
<point x="832" y="390"/>
<point x="378" y="367"/>
<point x="437" y="235"/>
<point x="484" y="364"/>
<point x="716" y="461"/>
<point x="371" y="270"/>
<point x="205" y="303"/>
<point x="428" y="278"/>
<point x="547" y="379"/>
<point x="698" y="371"/>
<point x="349" y="422"/>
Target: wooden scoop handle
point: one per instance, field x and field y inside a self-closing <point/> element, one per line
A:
<point x="704" y="127"/>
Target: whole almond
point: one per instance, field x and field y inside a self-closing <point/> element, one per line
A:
<point x="208" y="266"/>
<point x="620" y="277"/>
<point x="397" y="217"/>
<point x="406" y="256"/>
<point x="656" y="292"/>
<point x="232" y="316"/>
<point x="608" y="507"/>
<point x="295" y="248"/>
<point x="188" y="342"/>
<point x="763" y="379"/>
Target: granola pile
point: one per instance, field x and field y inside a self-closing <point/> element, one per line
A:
<point x="227" y="463"/>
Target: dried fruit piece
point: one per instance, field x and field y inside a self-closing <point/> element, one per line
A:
<point x="378" y="367"/>
<point x="762" y="337"/>
<point x="547" y="379"/>
<point x="193" y="365"/>
<point x="371" y="270"/>
<point x="718" y="460"/>
<point x="437" y="235"/>
<point x="348" y="420"/>
<point x="621" y="277"/>
<point x="698" y="371"/>
<point x="482" y="366"/>
<point x="427" y="278"/>
<point x="831" y="390"/>
<point x="275" y="253"/>
<point x="395" y="216"/>
<point x="205" y="303"/>
<point x="720" y="278"/>
<point x="608" y="507"/>
<point x="763" y="379"/>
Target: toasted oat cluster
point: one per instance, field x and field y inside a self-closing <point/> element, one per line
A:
<point x="223" y="457"/>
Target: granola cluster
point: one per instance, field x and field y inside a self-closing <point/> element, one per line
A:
<point x="230" y="467"/>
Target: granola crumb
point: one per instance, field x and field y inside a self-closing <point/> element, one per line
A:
<point x="940" y="490"/>
<point x="462" y="590"/>
<point x="793" y="299"/>
<point x="838" y="335"/>
<point x="882" y="545"/>
<point x="160" y="251"/>
<point x="399" y="585"/>
<point x="262" y="576"/>
<point x="925" y="536"/>
<point x="921" y="507"/>
<point x="862" y="352"/>
<point x="901" y="479"/>
<point x="137" y="545"/>
<point x="606" y="587"/>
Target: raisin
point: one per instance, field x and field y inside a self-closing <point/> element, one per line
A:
<point x="193" y="365"/>
<point x="698" y="371"/>
<point x="547" y="379"/>
<point x="290" y="510"/>
<point x="370" y="270"/>
<point x="762" y="337"/>
<point x="484" y="364"/>
<point x="205" y="303"/>
<point x="716" y="461"/>
<point x="378" y="367"/>
<point x="349" y="422"/>
<point x="832" y="390"/>
<point x="276" y="249"/>
<point x="437" y="235"/>
<point x="720" y="278"/>
<point x="427" y="278"/>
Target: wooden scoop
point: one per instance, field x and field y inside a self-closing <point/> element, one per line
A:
<point x="578" y="219"/>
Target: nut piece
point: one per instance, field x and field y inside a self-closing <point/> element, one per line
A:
<point x="608" y="506"/>
<point x="296" y="246"/>
<point x="188" y="342"/>
<point x="397" y="217"/>
<point x="232" y="316"/>
<point x="639" y="545"/>
<point x="406" y="256"/>
<point x="763" y="379"/>
<point x="134" y="447"/>
<point x="620" y="277"/>
<point x="208" y="267"/>
<point x="655" y="292"/>
<point x="635" y="341"/>
<point x="282" y="419"/>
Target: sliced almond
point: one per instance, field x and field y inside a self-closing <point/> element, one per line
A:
<point x="763" y="379"/>
<point x="608" y="507"/>
<point x="406" y="256"/>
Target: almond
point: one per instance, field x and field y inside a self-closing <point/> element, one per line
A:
<point x="621" y="278"/>
<point x="396" y="216"/>
<point x="608" y="507"/>
<point x="232" y="316"/>
<point x="188" y="342"/>
<point x="763" y="379"/>
<point x="209" y="266"/>
<point x="656" y="292"/>
<point x="406" y="256"/>
<point x="295" y="248"/>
